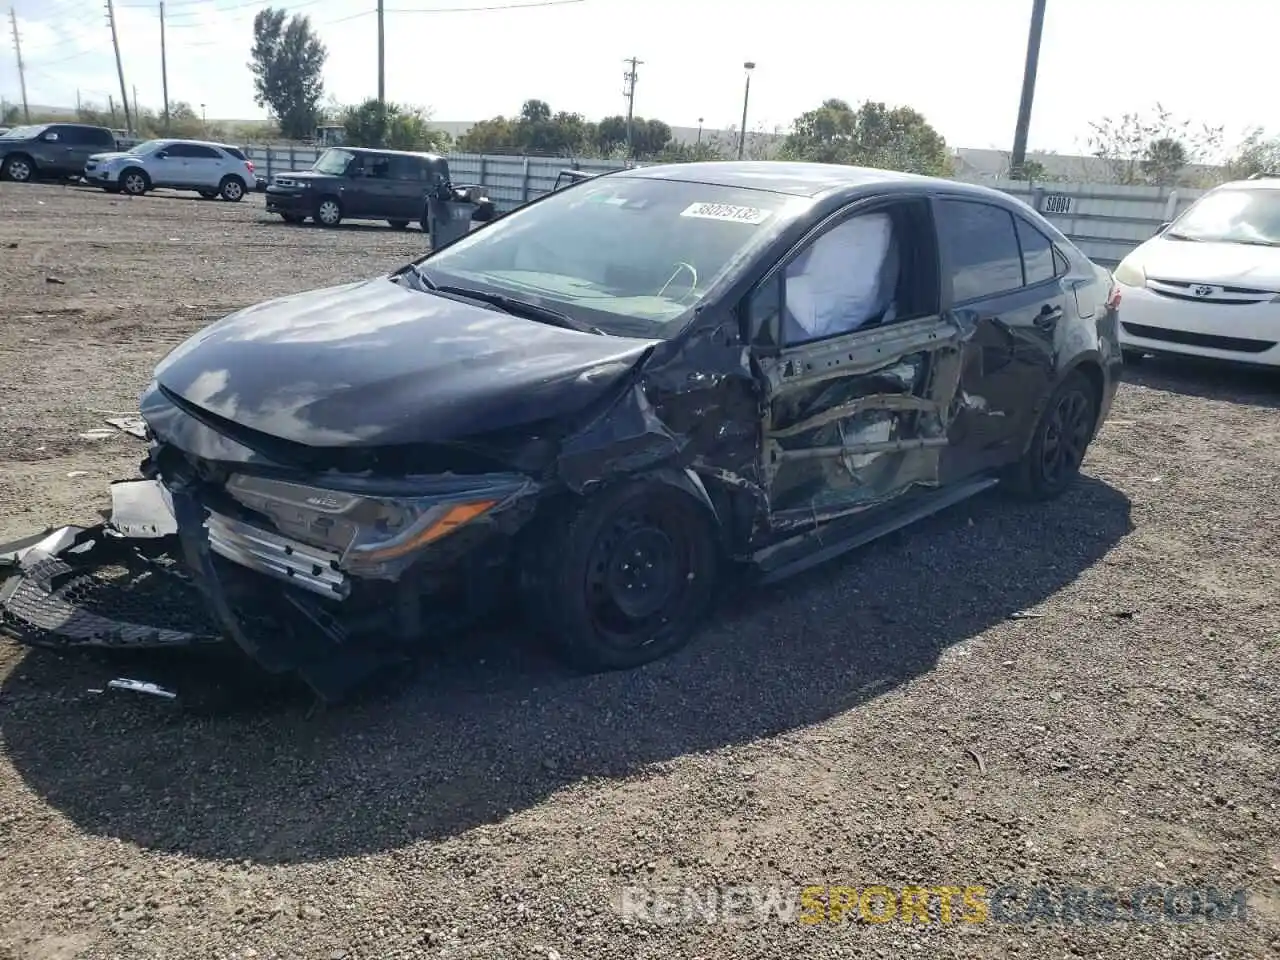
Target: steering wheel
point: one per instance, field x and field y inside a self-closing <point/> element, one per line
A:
<point x="682" y="267"/>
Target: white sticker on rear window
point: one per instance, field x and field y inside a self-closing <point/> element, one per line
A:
<point x="726" y="211"/>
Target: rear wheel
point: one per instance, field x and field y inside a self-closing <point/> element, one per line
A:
<point x="329" y="212"/>
<point x="19" y="168"/>
<point x="1052" y="461"/>
<point x="135" y="182"/>
<point x="231" y="189"/>
<point x="624" y="577"/>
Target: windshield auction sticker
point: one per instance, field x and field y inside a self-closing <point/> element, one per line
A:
<point x="726" y="211"/>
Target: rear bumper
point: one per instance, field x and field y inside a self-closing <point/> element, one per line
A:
<point x="1240" y="333"/>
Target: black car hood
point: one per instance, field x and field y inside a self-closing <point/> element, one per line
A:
<point x="374" y="363"/>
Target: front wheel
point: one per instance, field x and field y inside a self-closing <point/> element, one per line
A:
<point x="624" y="577"/>
<point x="329" y="212"/>
<point x="134" y="182"/>
<point x="1052" y="461"/>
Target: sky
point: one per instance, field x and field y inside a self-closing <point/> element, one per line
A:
<point x="959" y="62"/>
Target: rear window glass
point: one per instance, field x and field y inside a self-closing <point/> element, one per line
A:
<point x="238" y="154"/>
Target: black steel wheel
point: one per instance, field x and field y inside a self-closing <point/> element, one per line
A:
<point x="624" y="577"/>
<point x="1052" y="462"/>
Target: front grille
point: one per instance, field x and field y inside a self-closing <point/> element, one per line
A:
<point x="266" y="552"/>
<point x="286" y="182"/>
<point x="1212" y="341"/>
<point x="1208" y="292"/>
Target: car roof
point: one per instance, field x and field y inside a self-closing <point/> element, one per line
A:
<point x="198" y="143"/>
<point x="800" y="179"/>
<point x="1261" y="183"/>
<point x="391" y="153"/>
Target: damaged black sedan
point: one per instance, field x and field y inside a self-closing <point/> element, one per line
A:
<point x="594" y="408"/>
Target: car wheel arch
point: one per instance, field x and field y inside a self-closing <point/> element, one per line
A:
<point x="1089" y="365"/>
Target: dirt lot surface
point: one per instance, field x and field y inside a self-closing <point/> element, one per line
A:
<point x="885" y="720"/>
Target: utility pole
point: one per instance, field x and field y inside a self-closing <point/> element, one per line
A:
<point x="1019" y="158"/>
<point x="78" y="115"/>
<point x="629" y="91"/>
<point x="115" y="42"/>
<point x="22" y="73"/>
<point x="746" y="95"/>
<point x="164" y="70"/>
<point x="382" y="59"/>
<point x="700" y="131"/>
<point x="111" y="102"/>
<point x="137" y="110"/>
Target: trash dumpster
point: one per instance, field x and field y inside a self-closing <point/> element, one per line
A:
<point x="452" y="212"/>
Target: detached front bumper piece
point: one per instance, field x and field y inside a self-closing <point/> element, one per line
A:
<point x="112" y="586"/>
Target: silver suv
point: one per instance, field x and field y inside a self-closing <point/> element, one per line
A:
<point x="210" y="169"/>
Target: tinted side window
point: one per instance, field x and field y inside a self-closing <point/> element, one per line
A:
<point x="100" y="138"/>
<point x="982" y="248"/>
<point x="203" y="153"/>
<point x="406" y="168"/>
<point x="376" y="166"/>
<point x="1038" y="262"/>
<point x="178" y="150"/>
<point x="238" y="154"/>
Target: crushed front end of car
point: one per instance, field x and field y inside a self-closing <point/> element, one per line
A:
<point x="328" y="578"/>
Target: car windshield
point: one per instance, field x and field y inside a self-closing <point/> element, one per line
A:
<point x="333" y="162"/>
<point x="1238" y="215"/>
<point x="630" y="256"/>
<point x="147" y="146"/>
<point x="24" y="132"/>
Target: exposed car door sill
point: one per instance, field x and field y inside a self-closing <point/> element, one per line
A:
<point x="849" y="533"/>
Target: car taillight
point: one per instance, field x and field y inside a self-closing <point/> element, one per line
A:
<point x="1113" y="298"/>
<point x="249" y="164"/>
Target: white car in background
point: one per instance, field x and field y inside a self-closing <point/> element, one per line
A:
<point x="210" y="169"/>
<point x="1208" y="285"/>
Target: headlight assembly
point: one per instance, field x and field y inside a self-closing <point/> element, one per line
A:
<point x="1129" y="274"/>
<point x="372" y="534"/>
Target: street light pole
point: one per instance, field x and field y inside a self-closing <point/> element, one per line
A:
<point x="700" y="131"/>
<point x="746" y="96"/>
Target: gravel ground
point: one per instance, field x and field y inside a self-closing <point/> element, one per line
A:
<point x="889" y="719"/>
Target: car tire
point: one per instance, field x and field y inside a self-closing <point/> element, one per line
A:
<point x="1061" y="439"/>
<point x="134" y="182"/>
<point x="19" y="168"/>
<point x="623" y="577"/>
<point x="1132" y="357"/>
<point x="232" y="189"/>
<point x="398" y="224"/>
<point x="328" y="211"/>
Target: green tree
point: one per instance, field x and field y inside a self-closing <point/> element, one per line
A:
<point x="870" y="136"/>
<point x="649" y="138"/>
<point x="393" y="126"/>
<point x="287" y="61"/>
<point x="1162" y="161"/>
<point x="536" y="130"/>
<point x="1138" y="147"/>
<point x="1256" y="153"/>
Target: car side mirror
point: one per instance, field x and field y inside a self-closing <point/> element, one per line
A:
<point x="161" y="155"/>
<point x="49" y="137"/>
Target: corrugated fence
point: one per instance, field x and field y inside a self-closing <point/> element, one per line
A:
<point x="1106" y="221"/>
